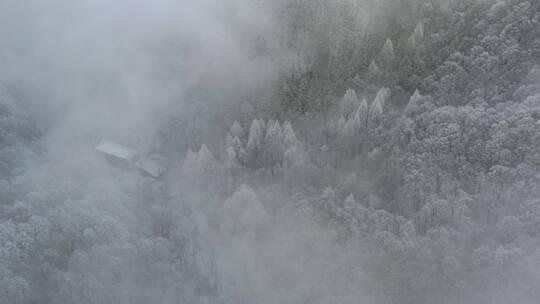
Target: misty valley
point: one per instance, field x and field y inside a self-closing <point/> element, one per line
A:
<point x="279" y="152"/>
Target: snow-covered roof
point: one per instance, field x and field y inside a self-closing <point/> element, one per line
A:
<point x="149" y="166"/>
<point x="116" y="150"/>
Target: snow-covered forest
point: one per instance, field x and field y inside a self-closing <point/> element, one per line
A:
<point x="284" y="151"/>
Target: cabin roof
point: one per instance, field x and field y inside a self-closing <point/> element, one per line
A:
<point x="149" y="166"/>
<point x="116" y="150"/>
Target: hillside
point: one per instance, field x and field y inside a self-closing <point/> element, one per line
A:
<point x="352" y="151"/>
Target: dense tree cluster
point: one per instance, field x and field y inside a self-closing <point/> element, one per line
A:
<point x="429" y="155"/>
<point x="398" y="161"/>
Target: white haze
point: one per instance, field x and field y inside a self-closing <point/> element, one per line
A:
<point x="119" y="62"/>
<point x="93" y="70"/>
<point x="133" y="72"/>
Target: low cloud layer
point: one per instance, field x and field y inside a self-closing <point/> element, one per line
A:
<point x="355" y="151"/>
